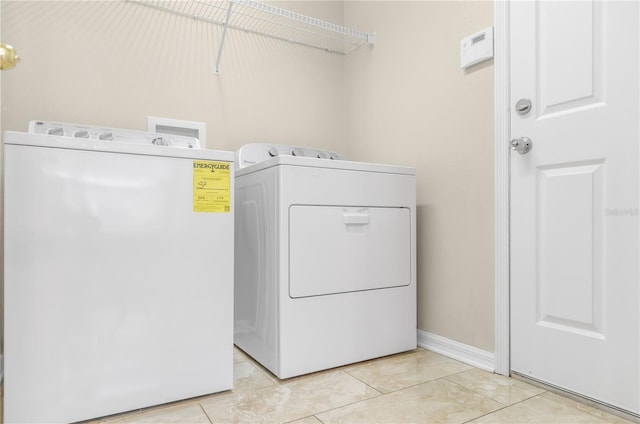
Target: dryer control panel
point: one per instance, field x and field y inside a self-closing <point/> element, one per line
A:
<point x="253" y="153"/>
<point x="117" y="135"/>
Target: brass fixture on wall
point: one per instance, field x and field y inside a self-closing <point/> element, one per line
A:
<point x="8" y="57"/>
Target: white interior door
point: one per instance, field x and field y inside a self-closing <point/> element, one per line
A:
<point x="574" y="197"/>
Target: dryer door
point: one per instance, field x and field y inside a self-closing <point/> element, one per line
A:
<point x="335" y="249"/>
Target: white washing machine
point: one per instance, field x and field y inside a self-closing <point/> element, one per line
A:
<point x="325" y="259"/>
<point x="118" y="271"/>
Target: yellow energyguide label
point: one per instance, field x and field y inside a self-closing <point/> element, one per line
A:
<point x="211" y="186"/>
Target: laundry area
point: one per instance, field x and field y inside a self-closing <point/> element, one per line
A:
<point x="300" y="211"/>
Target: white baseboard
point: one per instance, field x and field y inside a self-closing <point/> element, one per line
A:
<point x="455" y="350"/>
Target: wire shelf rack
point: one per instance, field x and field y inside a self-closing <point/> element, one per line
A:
<point x="267" y="20"/>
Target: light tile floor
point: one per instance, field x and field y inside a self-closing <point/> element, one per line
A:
<point x="413" y="387"/>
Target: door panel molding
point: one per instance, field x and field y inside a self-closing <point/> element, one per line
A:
<point x="585" y="40"/>
<point x="569" y="286"/>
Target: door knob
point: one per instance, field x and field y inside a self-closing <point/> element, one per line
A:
<point x="522" y="145"/>
<point x="8" y="57"/>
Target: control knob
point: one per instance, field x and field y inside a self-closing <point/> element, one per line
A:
<point x="160" y="141"/>
<point x="55" y="131"/>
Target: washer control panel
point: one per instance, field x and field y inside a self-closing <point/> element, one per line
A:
<point x="253" y="153"/>
<point x="116" y="135"/>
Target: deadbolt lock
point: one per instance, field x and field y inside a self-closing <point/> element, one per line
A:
<point x="523" y="106"/>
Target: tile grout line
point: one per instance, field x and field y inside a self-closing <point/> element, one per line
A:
<point x="365" y="383"/>
<point x="410" y="386"/>
<point x="486" y="396"/>
<point x="504" y="407"/>
<point x="379" y="394"/>
<point x="318" y="418"/>
<point x="488" y="413"/>
<point x="205" y="412"/>
<point x="303" y="418"/>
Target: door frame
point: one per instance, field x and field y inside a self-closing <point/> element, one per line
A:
<point x="502" y="178"/>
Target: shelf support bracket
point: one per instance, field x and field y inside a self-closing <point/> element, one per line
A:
<point x="224" y="34"/>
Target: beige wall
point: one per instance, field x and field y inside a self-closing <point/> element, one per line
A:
<point x="403" y="101"/>
<point x="408" y="102"/>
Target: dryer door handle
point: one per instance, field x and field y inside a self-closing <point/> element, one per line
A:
<point x="356" y="218"/>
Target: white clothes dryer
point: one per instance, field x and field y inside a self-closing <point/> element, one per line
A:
<point x="325" y="270"/>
